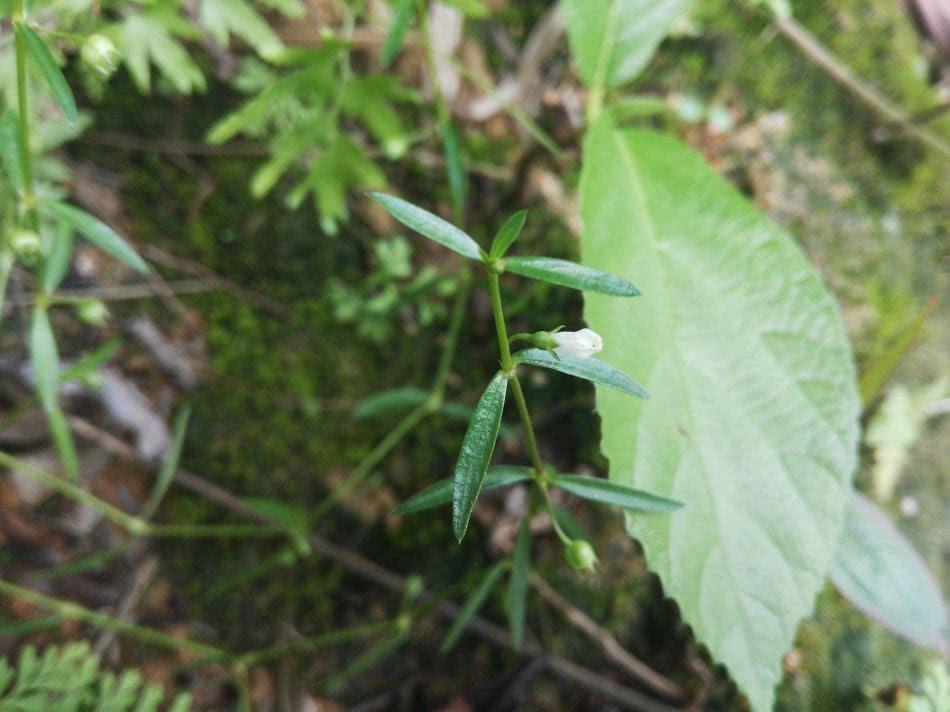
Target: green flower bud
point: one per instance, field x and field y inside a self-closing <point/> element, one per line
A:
<point x="100" y="54"/>
<point x="544" y="340"/>
<point x="92" y="312"/>
<point x="26" y="246"/>
<point x="580" y="555"/>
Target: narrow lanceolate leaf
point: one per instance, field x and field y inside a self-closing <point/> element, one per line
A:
<point x="471" y="606"/>
<point x="518" y="584"/>
<point x="454" y="165"/>
<point x="508" y="233"/>
<point x="612" y="40"/>
<point x="91" y="361"/>
<point x="607" y="492"/>
<point x="56" y="263"/>
<point x="97" y="232"/>
<point x="10" y="148"/>
<point x="44" y="359"/>
<point x="51" y="72"/>
<point x="389" y="402"/>
<point x="881" y="573"/>
<point x="439" y="493"/>
<point x="754" y="417"/>
<point x="591" y="369"/>
<point x="432" y="226"/>
<point x="169" y="464"/>
<point x="571" y="274"/>
<point x="63" y="440"/>
<point x="477" y="447"/>
<point x="397" y="32"/>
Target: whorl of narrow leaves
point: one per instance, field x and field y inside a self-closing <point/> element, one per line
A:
<point x="51" y="72"/>
<point x="590" y="369"/>
<point x="508" y="233"/>
<point x="571" y="274"/>
<point x="97" y="232"/>
<point x="432" y="226"/>
<point x="607" y="492"/>
<point x="471" y="606"/>
<point x="439" y="493"/>
<point x="477" y="447"/>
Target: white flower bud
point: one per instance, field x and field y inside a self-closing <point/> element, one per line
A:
<point x="100" y="53"/>
<point x="577" y="344"/>
<point x="26" y="245"/>
<point x="92" y="312"/>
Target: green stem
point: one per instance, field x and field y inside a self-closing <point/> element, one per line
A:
<point x="561" y="534"/>
<point x="372" y="459"/>
<point x="508" y="365"/>
<point x="455" y="327"/>
<point x="126" y="521"/>
<point x="336" y="637"/>
<point x="70" y="610"/>
<point x="26" y="159"/>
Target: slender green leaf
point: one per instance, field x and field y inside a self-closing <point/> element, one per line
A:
<point x="63" y="439"/>
<point x="49" y="69"/>
<point x="607" y="492"/>
<point x="570" y="274"/>
<point x="518" y="584"/>
<point x="91" y="361"/>
<point x="471" y="606"/>
<point x="169" y="465"/>
<point x="440" y="492"/>
<point x="508" y="233"/>
<point x="754" y="421"/>
<point x="432" y="226"/>
<point x="45" y="359"/>
<point x="454" y="165"/>
<point x="612" y="40"/>
<point x="591" y="369"/>
<point x="881" y="573"/>
<point x="369" y="658"/>
<point x="97" y="232"/>
<point x="475" y="9"/>
<point x="56" y="263"/>
<point x="389" y="402"/>
<point x="477" y="447"/>
<point x="10" y="148"/>
<point x="397" y="32"/>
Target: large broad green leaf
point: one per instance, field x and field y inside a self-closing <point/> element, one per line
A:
<point x="881" y="573"/>
<point x="612" y="40"/>
<point x="753" y="419"/>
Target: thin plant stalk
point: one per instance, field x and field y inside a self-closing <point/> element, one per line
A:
<point x="23" y="110"/>
<point x="508" y="366"/>
<point x="73" y="611"/>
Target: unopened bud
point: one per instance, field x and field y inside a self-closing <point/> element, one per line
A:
<point x="580" y="555"/>
<point x="577" y="344"/>
<point x="26" y="246"/>
<point x="92" y="312"/>
<point x="100" y="54"/>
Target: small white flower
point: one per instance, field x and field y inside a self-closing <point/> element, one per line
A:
<point x="577" y="344"/>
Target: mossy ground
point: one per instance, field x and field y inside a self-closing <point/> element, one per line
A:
<point x="273" y="418"/>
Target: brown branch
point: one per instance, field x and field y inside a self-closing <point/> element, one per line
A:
<point x="812" y="48"/>
<point x="610" y="645"/>
<point x="370" y="570"/>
